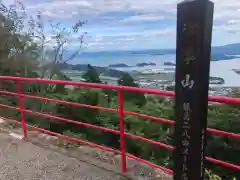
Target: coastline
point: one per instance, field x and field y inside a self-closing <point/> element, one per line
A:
<point x="163" y="76"/>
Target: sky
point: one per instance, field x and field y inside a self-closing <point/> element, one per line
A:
<point x="133" y="24"/>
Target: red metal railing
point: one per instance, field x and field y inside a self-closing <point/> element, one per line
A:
<point x="120" y="111"/>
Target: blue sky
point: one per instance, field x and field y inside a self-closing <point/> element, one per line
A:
<point x="134" y="24"/>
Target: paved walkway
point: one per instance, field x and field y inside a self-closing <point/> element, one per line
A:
<point x="21" y="160"/>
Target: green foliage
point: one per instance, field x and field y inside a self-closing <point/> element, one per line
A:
<point x="91" y="75"/>
<point x="24" y="51"/>
<point x="209" y="175"/>
<point x="127" y="80"/>
<point x="137" y="98"/>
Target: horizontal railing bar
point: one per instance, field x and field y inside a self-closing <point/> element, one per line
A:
<point x="169" y="171"/>
<point x="64" y="136"/>
<point x="104" y="129"/>
<point x="10" y="107"/>
<point x="9" y="93"/>
<point x="220" y="99"/>
<point x="10" y="120"/>
<point x="226" y="164"/>
<point x="62" y="119"/>
<point x="59" y="101"/>
<point x="163" y="120"/>
<point x="101" y="147"/>
<point x="165" y="146"/>
<point x="69" y="103"/>
<point x="90" y="144"/>
<point x="171" y="148"/>
<point x="75" y="139"/>
<point x="97" y="127"/>
<point x="224" y="133"/>
<point x="224" y="99"/>
<point x="72" y="121"/>
<point x="92" y="85"/>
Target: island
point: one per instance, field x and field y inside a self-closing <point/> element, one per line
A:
<point x="122" y="65"/>
<point x="236" y="71"/>
<point x="169" y="64"/>
<point x="119" y="65"/>
<point x="145" y="64"/>
<point x="216" y="80"/>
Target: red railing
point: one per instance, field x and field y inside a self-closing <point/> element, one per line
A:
<point x="120" y="111"/>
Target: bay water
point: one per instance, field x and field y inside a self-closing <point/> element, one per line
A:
<point x="221" y="68"/>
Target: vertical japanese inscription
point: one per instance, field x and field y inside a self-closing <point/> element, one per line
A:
<point x="185" y="138"/>
<point x="189" y="31"/>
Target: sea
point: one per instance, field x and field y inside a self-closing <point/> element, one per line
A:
<point x="221" y="68"/>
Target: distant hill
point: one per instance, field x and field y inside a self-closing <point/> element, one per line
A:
<point x="225" y="52"/>
<point x="119" y="65"/>
<point x="83" y="67"/>
<point x="122" y="65"/>
<point x="218" y="52"/>
<point x="229" y="49"/>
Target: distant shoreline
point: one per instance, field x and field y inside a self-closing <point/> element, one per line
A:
<point x="228" y="51"/>
<point x="122" y="65"/>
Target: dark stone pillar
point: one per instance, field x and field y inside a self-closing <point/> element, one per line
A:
<point x="194" y="34"/>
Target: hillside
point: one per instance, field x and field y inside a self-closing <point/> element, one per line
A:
<point x="229" y="49"/>
<point x="84" y="67"/>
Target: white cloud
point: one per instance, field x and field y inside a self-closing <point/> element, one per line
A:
<point x="127" y="40"/>
<point x="225" y="10"/>
<point x="228" y="28"/>
<point x="231" y="22"/>
<point x="142" y="18"/>
<point x="226" y="17"/>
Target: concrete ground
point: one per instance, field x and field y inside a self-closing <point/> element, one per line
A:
<point x="20" y="160"/>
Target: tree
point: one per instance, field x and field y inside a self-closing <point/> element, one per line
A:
<point x="170" y="88"/>
<point x="127" y="80"/>
<point x="27" y="51"/>
<point x="56" y="49"/>
<point x="18" y="52"/>
<point x="91" y="75"/>
<point x="138" y="98"/>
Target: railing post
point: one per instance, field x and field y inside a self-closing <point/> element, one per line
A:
<point x="122" y="136"/>
<point x="19" y="90"/>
